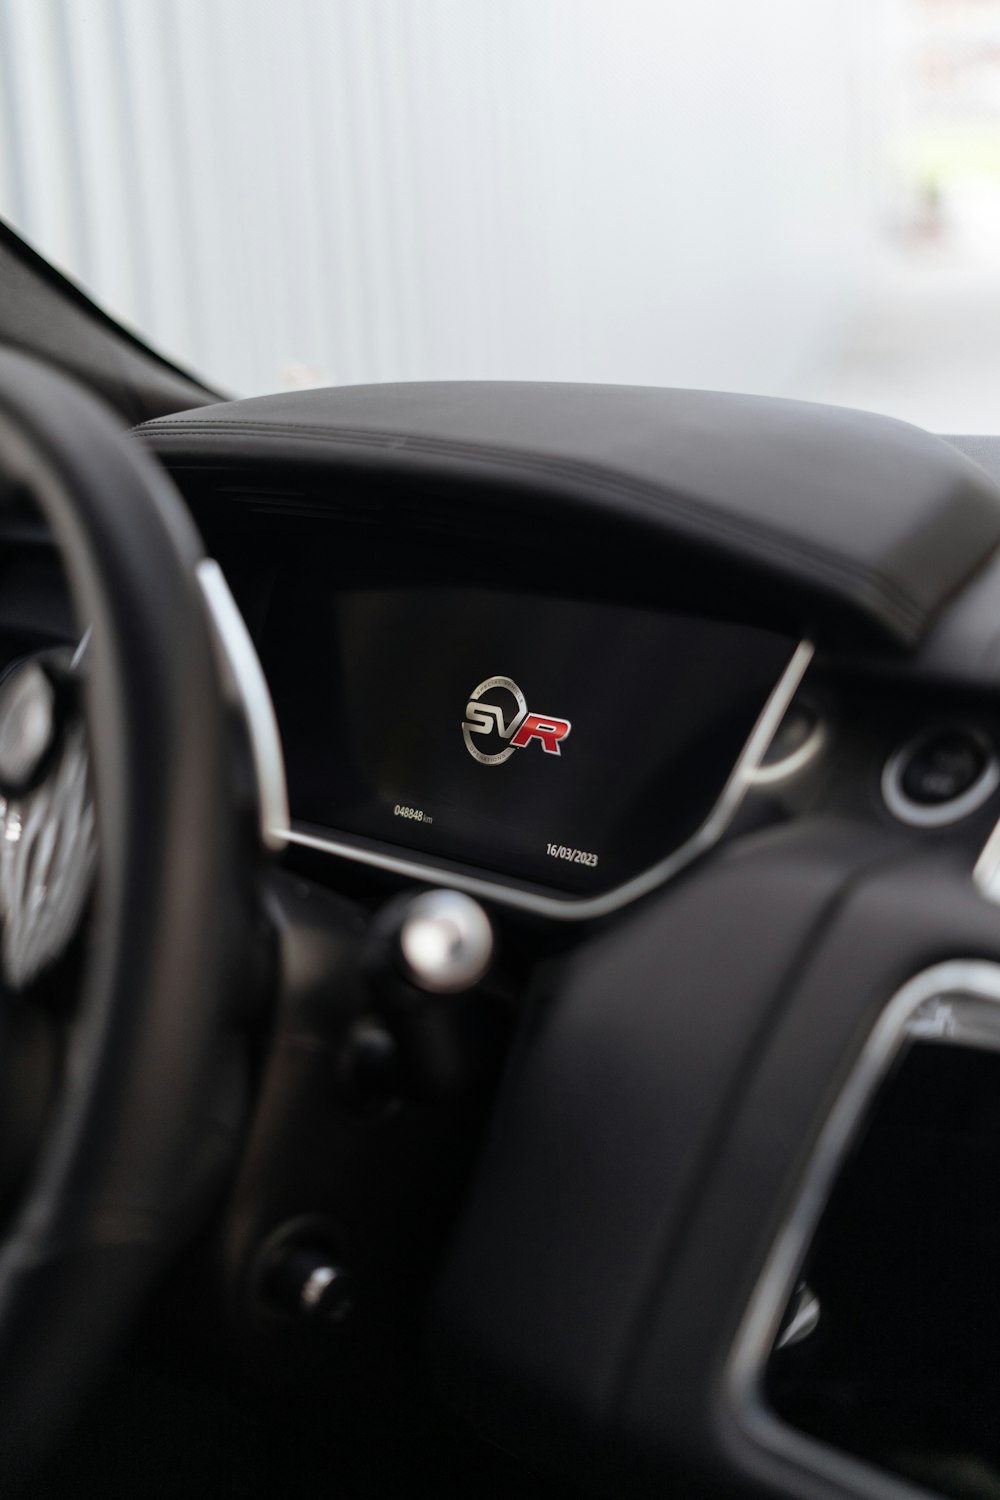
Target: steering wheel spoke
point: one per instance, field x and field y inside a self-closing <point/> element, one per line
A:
<point x="615" y="1271"/>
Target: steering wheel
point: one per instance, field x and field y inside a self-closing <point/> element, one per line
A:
<point x="143" y="1114"/>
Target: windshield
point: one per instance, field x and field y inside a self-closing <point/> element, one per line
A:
<point x="791" y="197"/>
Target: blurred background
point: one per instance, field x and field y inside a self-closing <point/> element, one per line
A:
<point x="793" y="197"/>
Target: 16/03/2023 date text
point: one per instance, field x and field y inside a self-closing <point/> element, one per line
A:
<point x="573" y="856"/>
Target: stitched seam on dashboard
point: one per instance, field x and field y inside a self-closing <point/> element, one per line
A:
<point x="894" y="598"/>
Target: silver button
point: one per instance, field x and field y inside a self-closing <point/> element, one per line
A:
<point x="446" y="942"/>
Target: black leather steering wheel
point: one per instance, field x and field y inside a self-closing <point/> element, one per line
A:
<point x="134" y="1132"/>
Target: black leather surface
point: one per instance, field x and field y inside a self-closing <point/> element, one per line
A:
<point x="141" y="1113"/>
<point x="609" y="1119"/>
<point x="864" y="515"/>
<point x="650" y="1133"/>
<point x="895" y="921"/>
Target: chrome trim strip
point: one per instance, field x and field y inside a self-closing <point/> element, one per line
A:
<point x="986" y="871"/>
<point x="794" y="763"/>
<point x="81" y="649"/>
<point x="805" y="1320"/>
<point x="935" y="1005"/>
<point x="246" y="686"/>
<point x="584" y="908"/>
<point x="943" y="814"/>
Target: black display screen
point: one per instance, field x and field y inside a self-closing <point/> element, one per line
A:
<point x="566" y="743"/>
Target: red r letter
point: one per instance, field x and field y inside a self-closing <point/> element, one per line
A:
<point x="538" y="727"/>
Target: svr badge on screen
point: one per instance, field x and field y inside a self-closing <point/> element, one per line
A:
<point x="518" y="732"/>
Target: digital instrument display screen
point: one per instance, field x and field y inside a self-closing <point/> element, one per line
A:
<point x="565" y="743"/>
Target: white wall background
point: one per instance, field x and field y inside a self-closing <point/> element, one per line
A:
<point x="665" y="191"/>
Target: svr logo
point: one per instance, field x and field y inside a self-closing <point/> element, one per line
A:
<point x="519" y="730"/>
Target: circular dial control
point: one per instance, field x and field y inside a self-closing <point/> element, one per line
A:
<point x="941" y="776"/>
<point x="944" y="767"/>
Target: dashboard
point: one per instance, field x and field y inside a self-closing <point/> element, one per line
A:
<point x="519" y="639"/>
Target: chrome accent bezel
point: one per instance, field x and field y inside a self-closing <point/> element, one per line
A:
<point x="797" y="761"/>
<point x="587" y="908"/>
<point x="246" y="686"/>
<point x="943" y="814"/>
<point x="986" y="871"/>
<point x="959" y="986"/>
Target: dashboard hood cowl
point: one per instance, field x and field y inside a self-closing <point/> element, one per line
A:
<point x="839" y="519"/>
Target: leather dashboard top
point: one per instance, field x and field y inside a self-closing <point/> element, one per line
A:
<point x="868" y="518"/>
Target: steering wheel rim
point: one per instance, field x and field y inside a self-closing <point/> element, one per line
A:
<point x="134" y="1127"/>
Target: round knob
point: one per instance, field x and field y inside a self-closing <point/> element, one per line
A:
<point x="445" y="942"/>
<point x="310" y="1284"/>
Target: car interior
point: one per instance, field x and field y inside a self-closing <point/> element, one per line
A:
<point x="500" y="939"/>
